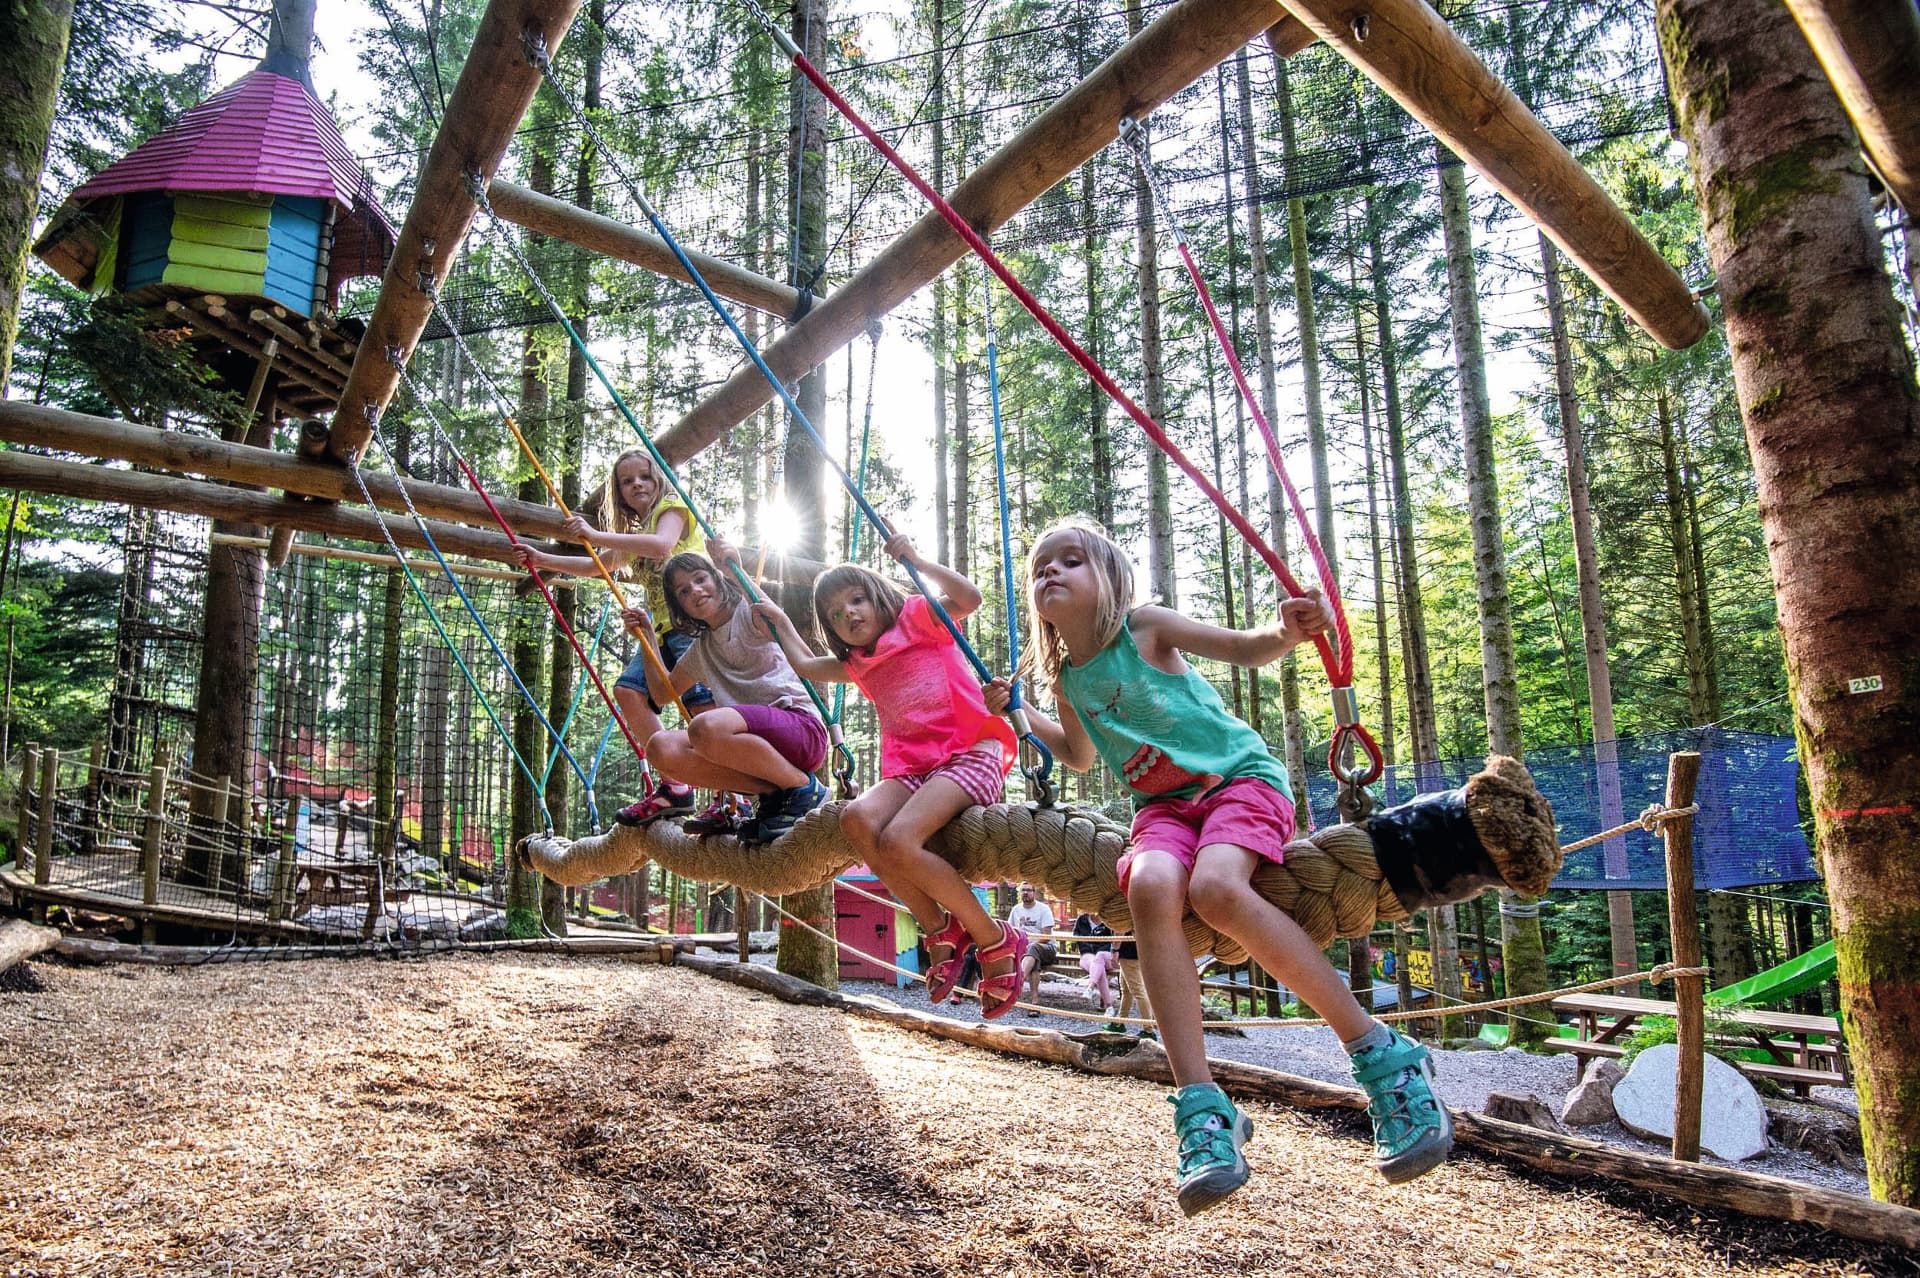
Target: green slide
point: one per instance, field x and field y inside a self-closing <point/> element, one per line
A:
<point x="1796" y="976"/>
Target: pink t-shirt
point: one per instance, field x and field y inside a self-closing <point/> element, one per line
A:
<point x="930" y="705"/>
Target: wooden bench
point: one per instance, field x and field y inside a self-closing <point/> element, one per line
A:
<point x="319" y="882"/>
<point x="1605" y="1020"/>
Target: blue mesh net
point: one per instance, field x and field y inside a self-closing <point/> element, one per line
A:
<point x="1748" y="830"/>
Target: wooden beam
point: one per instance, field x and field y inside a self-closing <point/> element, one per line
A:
<point x="1290" y="36"/>
<point x="312" y="550"/>
<point x="1185" y="42"/>
<point x="194" y="497"/>
<point x="40" y="426"/>
<point x="1870" y="49"/>
<point x="600" y="234"/>
<point x="495" y="86"/>
<point x="1411" y="53"/>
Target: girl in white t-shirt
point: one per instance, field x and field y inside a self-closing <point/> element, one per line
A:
<point x="763" y="736"/>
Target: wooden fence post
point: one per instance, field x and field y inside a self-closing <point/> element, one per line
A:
<point x="23" y="803"/>
<point x="1683" y="773"/>
<point x="280" y="900"/>
<point x="152" y="838"/>
<point x="740" y="922"/>
<point x="43" y="836"/>
<point x="90" y="806"/>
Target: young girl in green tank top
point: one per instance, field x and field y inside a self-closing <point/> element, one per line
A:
<point x="1211" y="802"/>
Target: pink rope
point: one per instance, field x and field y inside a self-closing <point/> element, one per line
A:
<point x="1338" y="663"/>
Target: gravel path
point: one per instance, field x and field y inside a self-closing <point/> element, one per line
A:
<point x="1463" y="1079"/>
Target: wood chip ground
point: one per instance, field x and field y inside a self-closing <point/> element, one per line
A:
<point x="524" y="1115"/>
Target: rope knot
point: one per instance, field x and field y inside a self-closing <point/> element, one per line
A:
<point x="1650" y="822"/>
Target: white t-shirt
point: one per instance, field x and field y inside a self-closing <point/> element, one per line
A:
<point x="1037" y="917"/>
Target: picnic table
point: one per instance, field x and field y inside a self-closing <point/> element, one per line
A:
<point x="336" y="882"/>
<point x="1605" y="1021"/>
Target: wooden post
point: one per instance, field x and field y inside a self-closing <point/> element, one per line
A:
<point x="1683" y="772"/>
<point x="281" y="898"/>
<point x="152" y="838"/>
<point x="43" y="836"/>
<point x="90" y="806"/>
<point x="23" y="804"/>
<point x="740" y="922"/>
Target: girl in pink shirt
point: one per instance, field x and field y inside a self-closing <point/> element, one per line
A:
<point x="941" y="751"/>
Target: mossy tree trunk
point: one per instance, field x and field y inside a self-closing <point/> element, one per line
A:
<point x="1522" y="951"/>
<point x="33" y="49"/>
<point x="803" y="953"/>
<point x="1832" y="414"/>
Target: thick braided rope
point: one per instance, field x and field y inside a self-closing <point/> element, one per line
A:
<point x="1330" y="884"/>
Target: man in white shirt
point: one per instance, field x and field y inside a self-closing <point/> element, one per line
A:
<point x="1032" y="916"/>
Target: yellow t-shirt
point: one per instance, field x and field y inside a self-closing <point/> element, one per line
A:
<point x="648" y="570"/>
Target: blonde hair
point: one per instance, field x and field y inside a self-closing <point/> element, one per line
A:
<point x="1113" y="597"/>
<point x="615" y="514"/>
<point x="885" y="595"/>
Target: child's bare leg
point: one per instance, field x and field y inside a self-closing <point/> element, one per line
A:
<point x="902" y="847"/>
<point x="862" y="822"/>
<point x="676" y="756"/>
<point x="722" y="740"/>
<point x="640" y="718"/>
<point x="1222" y="893"/>
<point x="1157" y="897"/>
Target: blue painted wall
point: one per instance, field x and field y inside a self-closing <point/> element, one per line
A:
<point x="146" y="228"/>
<point x="293" y="251"/>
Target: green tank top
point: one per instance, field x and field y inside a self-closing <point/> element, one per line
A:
<point x="1164" y="735"/>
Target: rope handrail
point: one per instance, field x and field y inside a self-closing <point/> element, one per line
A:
<point x="1650" y="820"/>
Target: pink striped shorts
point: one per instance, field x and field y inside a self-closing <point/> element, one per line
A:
<point x="979" y="772"/>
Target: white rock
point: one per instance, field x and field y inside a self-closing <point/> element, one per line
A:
<point x="1733" y="1122"/>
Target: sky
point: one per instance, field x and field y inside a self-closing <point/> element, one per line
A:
<point x="905" y="367"/>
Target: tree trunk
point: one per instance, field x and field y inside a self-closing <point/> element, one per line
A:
<point x="1295" y="748"/>
<point x="962" y="512"/>
<point x="802" y="953"/>
<point x="1523" y="953"/>
<point x="942" y="550"/>
<point x="33" y="50"/>
<point x="1309" y="333"/>
<point x="1593" y="620"/>
<point x="526" y="893"/>
<point x="1422" y="723"/>
<point x="1160" y="534"/>
<point x="229" y="671"/>
<point x="1832" y="415"/>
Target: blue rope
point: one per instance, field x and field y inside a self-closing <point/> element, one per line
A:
<point x="454" y="580"/>
<point x="433" y="615"/>
<point x="537" y="53"/>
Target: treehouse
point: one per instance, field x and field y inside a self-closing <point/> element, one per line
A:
<point x="237" y="225"/>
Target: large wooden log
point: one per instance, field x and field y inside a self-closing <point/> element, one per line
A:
<point x="21" y="940"/>
<point x="1189" y="39"/>
<point x="1569" y="1157"/>
<point x="590" y="230"/>
<point x="43" y="427"/>
<point x="1411" y="53"/>
<point x="495" y="86"/>
<point x="1870" y="49"/>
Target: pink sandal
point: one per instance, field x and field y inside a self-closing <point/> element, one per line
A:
<point x="946" y="957"/>
<point x="999" y="993"/>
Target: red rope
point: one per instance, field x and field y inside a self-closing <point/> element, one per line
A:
<point x="1338" y="663"/>
<point x="586" y="663"/>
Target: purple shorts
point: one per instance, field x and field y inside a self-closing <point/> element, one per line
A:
<point x="795" y="735"/>
<point x="981" y="773"/>
<point x="1248" y="813"/>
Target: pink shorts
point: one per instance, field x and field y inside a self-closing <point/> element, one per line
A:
<point x="979" y="772"/>
<point x="795" y="735"/>
<point x="1248" y="813"/>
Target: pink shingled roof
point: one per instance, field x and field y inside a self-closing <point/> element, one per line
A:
<point x="265" y="134"/>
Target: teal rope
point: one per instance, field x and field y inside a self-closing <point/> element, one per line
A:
<point x="486" y="703"/>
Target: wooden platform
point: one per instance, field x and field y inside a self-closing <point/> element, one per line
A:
<point x="110" y="883"/>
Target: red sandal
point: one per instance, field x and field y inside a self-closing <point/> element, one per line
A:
<point x="946" y="957"/>
<point x="999" y="993"/>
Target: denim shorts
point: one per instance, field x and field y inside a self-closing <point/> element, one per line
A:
<point x="673" y="645"/>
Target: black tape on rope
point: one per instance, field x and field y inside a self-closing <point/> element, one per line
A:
<point x="1430" y="852"/>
